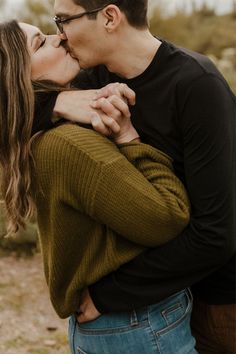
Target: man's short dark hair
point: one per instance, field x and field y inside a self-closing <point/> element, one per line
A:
<point x="134" y="10"/>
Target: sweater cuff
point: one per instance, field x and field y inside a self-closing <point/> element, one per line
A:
<point x="134" y="150"/>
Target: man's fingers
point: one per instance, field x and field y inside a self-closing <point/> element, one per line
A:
<point x="105" y="125"/>
<point x="107" y="107"/>
<point x="87" y="310"/>
<point x="99" y="126"/>
<point x="81" y="318"/>
<point x="126" y="92"/>
<point x="111" y="124"/>
<point x="120" y="105"/>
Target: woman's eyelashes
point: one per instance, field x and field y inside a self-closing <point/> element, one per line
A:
<point x="42" y="42"/>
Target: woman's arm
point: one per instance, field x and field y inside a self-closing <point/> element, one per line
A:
<point x="95" y="106"/>
<point x="144" y="202"/>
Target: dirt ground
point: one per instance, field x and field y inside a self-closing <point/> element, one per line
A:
<point x="28" y="323"/>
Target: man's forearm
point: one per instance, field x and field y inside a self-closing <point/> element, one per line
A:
<point x="156" y="274"/>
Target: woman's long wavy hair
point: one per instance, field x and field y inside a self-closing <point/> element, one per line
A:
<point x="16" y="120"/>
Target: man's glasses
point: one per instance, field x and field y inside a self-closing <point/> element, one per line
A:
<point x="59" y="22"/>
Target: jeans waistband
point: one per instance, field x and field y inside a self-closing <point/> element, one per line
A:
<point x="139" y="315"/>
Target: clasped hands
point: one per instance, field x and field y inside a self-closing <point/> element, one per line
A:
<point x="106" y="109"/>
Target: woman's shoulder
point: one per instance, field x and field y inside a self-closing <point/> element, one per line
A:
<point x="72" y="139"/>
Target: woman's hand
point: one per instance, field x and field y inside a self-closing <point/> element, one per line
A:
<point x="76" y="106"/>
<point x="87" y="310"/>
<point x="120" y="90"/>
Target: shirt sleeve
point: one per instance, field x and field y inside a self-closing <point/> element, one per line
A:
<point x="44" y="105"/>
<point x="208" y="126"/>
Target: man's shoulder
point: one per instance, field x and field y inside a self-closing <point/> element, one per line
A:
<point x="192" y="67"/>
<point x="198" y="64"/>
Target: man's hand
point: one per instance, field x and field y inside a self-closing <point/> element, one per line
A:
<point x="87" y="310"/>
<point x="120" y="126"/>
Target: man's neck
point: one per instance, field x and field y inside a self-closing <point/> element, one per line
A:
<point x="133" y="54"/>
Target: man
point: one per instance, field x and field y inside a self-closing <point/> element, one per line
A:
<point x="185" y="108"/>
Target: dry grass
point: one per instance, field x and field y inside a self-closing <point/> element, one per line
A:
<point x="28" y="324"/>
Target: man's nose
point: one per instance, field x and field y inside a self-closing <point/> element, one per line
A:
<point x="62" y="35"/>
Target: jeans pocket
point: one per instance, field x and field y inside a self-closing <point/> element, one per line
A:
<point x="176" y="337"/>
<point x="109" y="324"/>
<point x="173" y="313"/>
<point x="178" y="309"/>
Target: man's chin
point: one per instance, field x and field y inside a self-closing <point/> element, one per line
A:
<point x="84" y="65"/>
<point x="73" y="55"/>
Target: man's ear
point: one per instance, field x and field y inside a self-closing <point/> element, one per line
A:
<point x="112" y="17"/>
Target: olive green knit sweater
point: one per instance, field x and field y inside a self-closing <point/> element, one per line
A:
<point x="88" y="195"/>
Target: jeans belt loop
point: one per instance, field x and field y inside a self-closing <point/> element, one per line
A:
<point x="189" y="294"/>
<point x="133" y="318"/>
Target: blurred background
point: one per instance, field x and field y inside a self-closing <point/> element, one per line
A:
<point x="206" y="26"/>
<point x="28" y="324"/>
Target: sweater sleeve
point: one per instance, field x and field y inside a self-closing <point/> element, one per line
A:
<point x="144" y="201"/>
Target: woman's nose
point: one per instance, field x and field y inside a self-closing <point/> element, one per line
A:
<point x="55" y="40"/>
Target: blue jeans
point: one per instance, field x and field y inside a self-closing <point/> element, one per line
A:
<point x="161" y="328"/>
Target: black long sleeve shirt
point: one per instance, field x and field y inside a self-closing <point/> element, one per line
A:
<point x="185" y="108"/>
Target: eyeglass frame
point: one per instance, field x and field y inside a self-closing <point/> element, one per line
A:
<point x="59" y="22"/>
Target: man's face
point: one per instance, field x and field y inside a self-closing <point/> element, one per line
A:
<point x="84" y="36"/>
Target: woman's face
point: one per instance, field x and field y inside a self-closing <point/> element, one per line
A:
<point x="50" y="60"/>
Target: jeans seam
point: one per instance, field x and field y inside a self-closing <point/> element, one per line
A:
<point x="153" y="331"/>
<point x="73" y="335"/>
<point x="112" y="329"/>
<point x="80" y="351"/>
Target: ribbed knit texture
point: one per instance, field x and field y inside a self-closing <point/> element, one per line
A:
<point x="86" y="187"/>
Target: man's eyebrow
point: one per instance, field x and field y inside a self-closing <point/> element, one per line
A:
<point x="63" y="15"/>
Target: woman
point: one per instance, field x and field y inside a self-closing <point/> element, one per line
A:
<point x="86" y="193"/>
